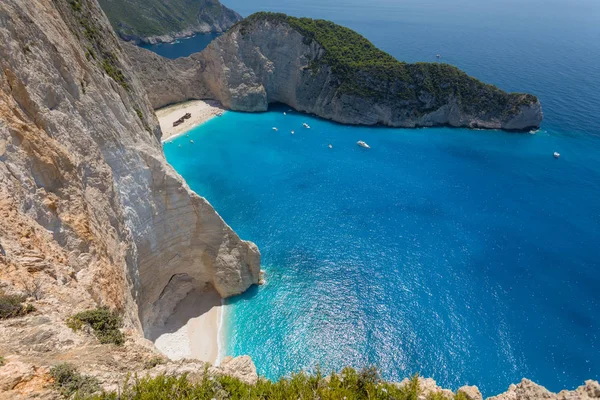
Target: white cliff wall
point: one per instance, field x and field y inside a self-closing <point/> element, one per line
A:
<point x="82" y="170"/>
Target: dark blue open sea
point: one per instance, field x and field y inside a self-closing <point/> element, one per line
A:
<point x="472" y="257"/>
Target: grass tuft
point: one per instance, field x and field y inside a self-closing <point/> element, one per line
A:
<point x="69" y="382"/>
<point x="104" y="322"/>
<point x="12" y="306"/>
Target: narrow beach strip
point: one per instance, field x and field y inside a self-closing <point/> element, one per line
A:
<point x="200" y="110"/>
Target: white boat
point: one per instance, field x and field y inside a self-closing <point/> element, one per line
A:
<point x="284" y="113"/>
<point x="292" y="132"/>
<point x="330" y="146"/>
<point x="363" y="144"/>
<point x="191" y="141"/>
<point x="275" y="129"/>
<point x="306" y="125"/>
<point x="556" y="154"/>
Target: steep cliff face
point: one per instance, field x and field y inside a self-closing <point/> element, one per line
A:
<point x="90" y="212"/>
<point x="168" y="81"/>
<point x="155" y="21"/>
<point x="306" y="64"/>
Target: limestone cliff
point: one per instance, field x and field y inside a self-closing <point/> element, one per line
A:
<point x="330" y="71"/>
<point x="90" y="211"/>
<point x="155" y="21"/>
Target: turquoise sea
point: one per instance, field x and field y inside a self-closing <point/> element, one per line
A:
<point x="472" y="257"/>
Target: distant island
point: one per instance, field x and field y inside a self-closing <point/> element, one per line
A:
<point x="322" y="68"/>
<point x="155" y="21"/>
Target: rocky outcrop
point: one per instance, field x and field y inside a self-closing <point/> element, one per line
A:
<point x="525" y="390"/>
<point x="160" y="21"/>
<point x="90" y="211"/>
<point x="168" y="81"/>
<point x="272" y="58"/>
<point x="528" y="390"/>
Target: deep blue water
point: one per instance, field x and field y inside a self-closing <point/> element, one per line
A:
<point x="182" y="47"/>
<point x="467" y="256"/>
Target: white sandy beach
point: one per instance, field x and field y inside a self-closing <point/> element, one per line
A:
<point x="201" y="110"/>
<point x="193" y="328"/>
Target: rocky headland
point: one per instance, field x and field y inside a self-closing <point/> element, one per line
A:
<point x="160" y="21"/>
<point x="318" y="67"/>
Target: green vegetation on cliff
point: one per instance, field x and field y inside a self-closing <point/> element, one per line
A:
<point x="70" y="383"/>
<point x="12" y="306"/>
<point x="145" y="18"/>
<point x="104" y="322"/>
<point x="349" y="385"/>
<point x="364" y="70"/>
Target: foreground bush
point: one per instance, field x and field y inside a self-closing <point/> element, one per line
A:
<point x="12" y="306"/>
<point x="348" y="385"/>
<point x="104" y="322"/>
<point x="70" y="383"/>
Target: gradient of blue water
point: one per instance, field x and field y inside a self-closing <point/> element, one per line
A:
<point x="468" y="256"/>
<point x="182" y="47"/>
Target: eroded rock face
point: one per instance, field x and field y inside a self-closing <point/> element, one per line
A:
<point x="242" y="368"/>
<point x="264" y="61"/>
<point x="528" y="390"/>
<point x="168" y="81"/>
<point x="90" y="211"/>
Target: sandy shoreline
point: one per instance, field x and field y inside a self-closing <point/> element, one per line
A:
<point x="201" y="110"/>
<point x="192" y="331"/>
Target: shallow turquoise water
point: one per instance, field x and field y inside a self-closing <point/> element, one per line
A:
<point x="468" y="256"/>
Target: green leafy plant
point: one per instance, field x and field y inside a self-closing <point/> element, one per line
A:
<point x="348" y="384"/>
<point x="2" y="361"/>
<point x="12" y="306"/>
<point x="153" y="362"/>
<point x="68" y="381"/>
<point x="104" y="322"/>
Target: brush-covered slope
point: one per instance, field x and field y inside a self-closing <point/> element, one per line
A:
<point x="325" y="69"/>
<point x="165" y="20"/>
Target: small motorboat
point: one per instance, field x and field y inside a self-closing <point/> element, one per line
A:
<point x="556" y="154"/>
<point x="438" y="56"/>
<point x="363" y="144"/>
<point x="306" y="125"/>
<point x="191" y="141"/>
<point x="292" y="132"/>
<point x="275" y="129"/>
<point x="330" y="146"/>
<point x="284" y="113"/>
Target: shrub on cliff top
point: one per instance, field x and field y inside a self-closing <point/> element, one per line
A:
<point x="348" y="384"/>
<point x="12" y="306"/>
<point x="68" y="381"/>
<point x="104" y="322"/>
